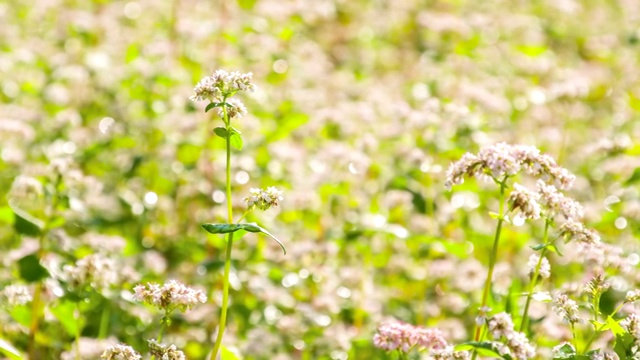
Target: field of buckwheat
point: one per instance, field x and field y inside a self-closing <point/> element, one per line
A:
<point x="320" y="179"/>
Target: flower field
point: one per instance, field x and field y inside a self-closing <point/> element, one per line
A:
<point x="320" y="179"/>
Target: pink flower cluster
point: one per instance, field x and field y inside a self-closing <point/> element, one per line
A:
<point x="504" y="160"/>
<point x="516" y="343"/>
<point x="170" y="296"/>
<point x="406" y="337"/>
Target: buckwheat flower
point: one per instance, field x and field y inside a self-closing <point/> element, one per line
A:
<point x="557" y="203"/>
<point x="574" y="230"/>
<point x="222" y="84"/>
<point x="632" y="296"/>
<point x="545" y="268"/>
<point x="120" y="352"/>
<point x="566" y="308"/>
<point x="524" y="201"/>
<point x="93" y="270"/>
<point x="14" y="295"/>
<point x="520" y="347"/>
<point x="448" y="353"/>
<point x="164" y="352"/>
<point x="632" y="324"/>
<point x="405" y="337"/>
<point x="25" y="187"/>
<point x="235" y="109"/>
<point x="263" y="199"/>
<point x="503" y="160"/>
<point x="170" y="296"/>
<point x="597" y="285"/>
<point x="500" y="325"/>
<point x="600" y="355"/>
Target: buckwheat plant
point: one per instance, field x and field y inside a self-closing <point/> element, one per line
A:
<point x="169" y="297"/>
<point x="218" y="90"/>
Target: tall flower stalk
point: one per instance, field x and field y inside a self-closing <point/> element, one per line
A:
<point x="218" y="89"/>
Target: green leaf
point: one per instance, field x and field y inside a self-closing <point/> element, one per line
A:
<point x="211" y="106"/>
<point x="236" y="138"/>
<point x="31" y="270"/>
<point x="250" y="227"/>
<point x="65" y="313"/>
<point x="221" y="132"/>
<point x="221" y="228"/>
<point x="21" y="314"/>
<point x="226" y="354"/>
<point x="9" y="350"/>
<point x="254" y="228"/>
<point x="623" y="345"/>
<point x="26" y="224"/>
<point x="635" y="177"/>
<point x="616" y="329"/>
<point x="566" y="351"/>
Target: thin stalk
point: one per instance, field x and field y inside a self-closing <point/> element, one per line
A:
<point x="78" y="357"/>
<point x="534" y="278"/>
<point x="227" y="261"/>
<point x="163" y="324"/>
<point x="492" y="260"/>
<point x="104" y="322"/>
<point x="601" y="328"/>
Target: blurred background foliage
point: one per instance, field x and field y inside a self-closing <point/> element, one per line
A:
<point x="361" y="107"/>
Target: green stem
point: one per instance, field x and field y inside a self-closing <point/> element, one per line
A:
<point x="104" y="322"/>
<point x="163" y="324"/>
<point x="599" y="330"/>
<point x="534" y="278"/>
<point x="78" y="331"/>
<point x="492" y="260"/>
<point x="227" y="261"/>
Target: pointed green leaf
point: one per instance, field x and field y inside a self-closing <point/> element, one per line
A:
<point x="635" y="177"/>
<point x="211" y="106"/>
<point x="226" y="354"/>
<point x="221" y="132"/>
<point x="9" y="350"/>
<point x="31" y="270"/>
<point x="255" y="228"/>
<point x="221" y="228"/>
<point x="236" y="138"/>
<point x="25" y="223"/>
<point x="65" y="313"/>
<point x="616" y="329"/>
<point x="566" y="351"/>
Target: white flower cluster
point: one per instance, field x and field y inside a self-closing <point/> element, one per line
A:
<point x="632" y="324"/>
<point x="120" y="352"/>
<point x="545" y="268"/>
<point x="14" y="295"/>
<point x="263" y="199"/>
<point x="406" y="337"/>
<point x="448" y="353"/>
<point x="632" y="296"/>
<point x="502" y="159"/>
<point x="164" y="352"/>
<point x="574" y="230"/>
<point x="93" y="270"/>
<point x="222" y="84"/>
<point x="557" y="203"/>
<point x="516" y="343"/>
<point x="219" y="87"/>
<point x="525" y="201"/>
<point x="170" y="296"/>
<point x="566" y="308"/>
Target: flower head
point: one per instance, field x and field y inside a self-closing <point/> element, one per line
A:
<point x="545" y="268"/>
<point x="566" y="308"/>
<point x="405" y="337"/>
<point x="120" y="352"/>
<point x="525" y="201"/>
<point x="170" y="296"/>
<point x="263" y="199"/>
<point x="221" y="85"/>
<point x="165" y="352"/>
<point x="13" y="295"/>
<point x="574" y="230"/>
<point x="503" y="160"/>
